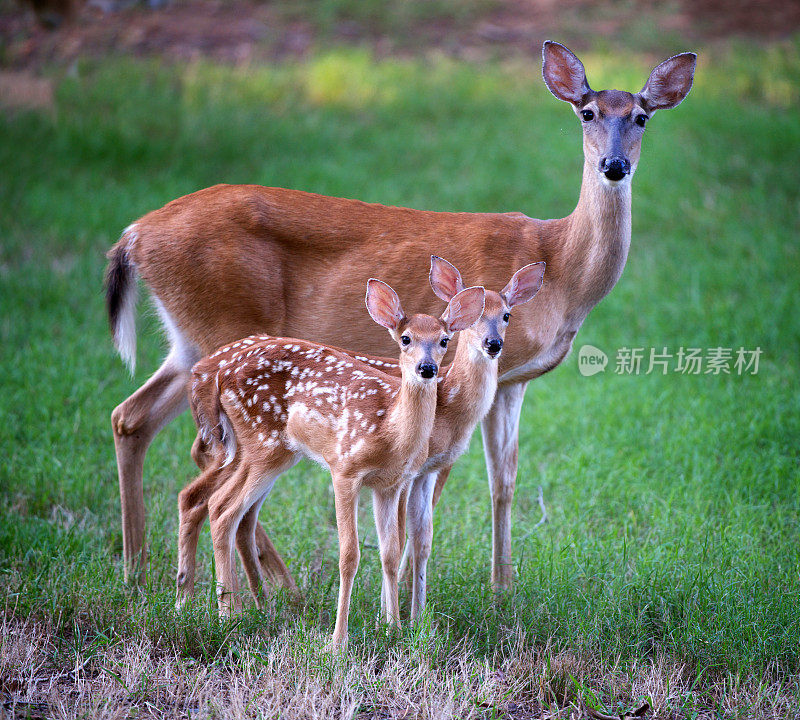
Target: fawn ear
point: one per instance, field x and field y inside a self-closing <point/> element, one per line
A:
<point x="669" y="83"/>
<point x="524" y="285"/>
<point x="564" y="74"/>
<point x="445" y="279"/>
<point x="384" y="305"/>
<point x="464" y="309"/>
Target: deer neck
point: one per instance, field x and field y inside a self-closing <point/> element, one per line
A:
<point x="467" y="391"/>
<point x="597" y="237"/>
<point x="411" y="416"/>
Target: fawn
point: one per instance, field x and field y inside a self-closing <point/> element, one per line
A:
<point x="465" y="395"/>
<point x="268" y="402"/>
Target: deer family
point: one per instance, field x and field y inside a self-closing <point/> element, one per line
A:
<point x="271" y="401"/>
<point x="235" y="260"/>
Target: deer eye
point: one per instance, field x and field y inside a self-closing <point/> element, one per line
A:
<point x="405" y="340"/>
<point x="641" y="120"/>
<point x="587" y="115"/>
<point x="443" y="342"/>
<point x="506" y="317"/>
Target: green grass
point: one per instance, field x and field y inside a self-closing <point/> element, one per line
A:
<point x="673" y="500"/>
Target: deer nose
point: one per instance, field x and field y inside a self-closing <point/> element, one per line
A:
<point x="615" y="168"/>
<point x="493" y="346"/>
<point x="427" y="370"/>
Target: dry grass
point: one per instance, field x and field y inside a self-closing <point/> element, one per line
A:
<point x="289" y="676"/>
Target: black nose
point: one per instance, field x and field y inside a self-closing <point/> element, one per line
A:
<point x="493" y="346"/>
<point x="427" y="370"/>
<point x="615" y="168"/>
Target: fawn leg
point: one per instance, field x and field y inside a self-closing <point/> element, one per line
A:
<point x="226" y="508"/>
<point x="346" y="497"/>
<point x="420" y="537"/>
<point x="385" y="508"/>
<point x="192" y="511"/>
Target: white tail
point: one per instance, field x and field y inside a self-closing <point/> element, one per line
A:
<point x="234" y="260"/>
<point x="286" y="399"/>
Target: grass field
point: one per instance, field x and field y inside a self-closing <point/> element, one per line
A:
<point x="669" y="570"/>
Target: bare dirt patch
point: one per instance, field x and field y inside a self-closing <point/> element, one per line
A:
<point x="23" y="90"/>
<point x="244" y="31"/>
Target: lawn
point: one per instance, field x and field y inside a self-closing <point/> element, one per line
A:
<point x="669" y="568"/>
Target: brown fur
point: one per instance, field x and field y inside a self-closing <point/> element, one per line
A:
<point x="234" y="260"/>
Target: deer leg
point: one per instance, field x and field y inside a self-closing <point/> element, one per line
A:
<point x="346" y="497"/>
<point x="273" y="567"/>
<point x="241" y="497"/>
<point x="385" y="508"/>
<point x="135" y="423"/>
<point x="248" y="552"/>
<point x="226" y="508"/>
<point x="402" y="507"/>
<point x="192" y="512"/>
<point x="500" y="432"/>
<point x="420" y="537"/>
<point x="256" y="565"/>
<point x="406" y="563"/>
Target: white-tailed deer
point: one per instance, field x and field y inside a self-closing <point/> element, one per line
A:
<point x="236" y="260"/>
<point x="465" y="395"/>
<point x="271" y="401"/>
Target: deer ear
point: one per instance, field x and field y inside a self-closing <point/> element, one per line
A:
<point x="445" y="279"/>
<point x="524" y="285"/>
<point x="669" y="83"/>
<point x="464" y="309"/>
<point x="564" y="74"/>
<point x="384" y="305"/>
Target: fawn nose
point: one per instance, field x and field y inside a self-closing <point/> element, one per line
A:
<point x="427" y="370"/>
<point x="493" y="346"/>
<point x="615" y="168"/>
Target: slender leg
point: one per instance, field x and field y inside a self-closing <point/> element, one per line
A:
<point x="346" y="497"/>
<point x="385" y="508"/>
<point x="406" y="563"/>
<point x="192" y="512"/>
<point x="135" y="422"/>
<point x="500" y="432"/>
<point x="273" y="568"/>
<point x="420" y="537"/>
<point x="248" y="552"/>
<point x="241" y="496"/>
<point x="402" y="506"/>
<point x="272" y="565"/>
<point x="226" y="508"/>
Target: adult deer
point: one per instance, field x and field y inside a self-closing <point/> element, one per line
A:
<point x="270" y="401"/>
<point x="234" y="260"/>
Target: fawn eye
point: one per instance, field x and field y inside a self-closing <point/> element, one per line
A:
<point x="405" y="340"/>
<point x="506" y="317"/>
<point x="587" y="115"/>
<point x="443" y="342"/>
<point x="641" y="120"/>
